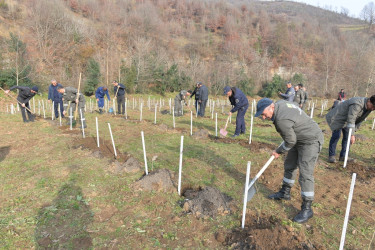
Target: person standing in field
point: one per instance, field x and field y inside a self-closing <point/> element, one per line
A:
<point x="203" y="98"/>
<point x="196" y="94"/>
<point x="55" y="97"/>
<point x="24" y="96"/>
<point x="99" y="94"/>
<point x="289" y="93"/>
<point x="70" y="100"/>
<point x="299" y="96"/>
<point x="119" y="90"/>
<point x="303" y="141"/>
<point x="180" y="97"/>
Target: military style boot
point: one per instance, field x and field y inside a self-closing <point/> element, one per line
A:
<point x="305" y="214"/>
<point x="284" y="193"/>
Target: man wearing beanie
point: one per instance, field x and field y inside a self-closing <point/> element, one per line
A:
<point x="303" y="140"/>
<point x="348" y="114"/>
<point x="24" y="96"/>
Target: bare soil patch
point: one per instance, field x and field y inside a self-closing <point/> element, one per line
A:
<point x="201" y="134"/>
<point x="255" y="145"/>
<point x="159" y="180"/>
<point x="363" y="172"/>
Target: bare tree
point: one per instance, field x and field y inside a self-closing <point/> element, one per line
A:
<point x="368" y="14"/>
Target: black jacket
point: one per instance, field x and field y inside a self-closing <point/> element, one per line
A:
<point x="24" y="95"/>
<point x="121" y="90"/>
<point x="196" y="93"/>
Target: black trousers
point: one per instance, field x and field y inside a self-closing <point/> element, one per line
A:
<point x="23" y="112"/>
<point x="202" y="107"/>
<point x="121" y="104"/>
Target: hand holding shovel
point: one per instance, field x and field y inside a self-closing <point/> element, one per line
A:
<point x="224" y="131"/>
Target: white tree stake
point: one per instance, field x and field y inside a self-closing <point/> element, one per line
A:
<point x="97" y="131"/>
<point x="373" y="124"/>
<point x="245" y="193"/>
<point x="191" y="122"/>
<point x="144" y="152"/>
<point x="71" y="118"/>
<point x="39" y="107"/>
<point x="347" y="148"/>
<point x="180" y="165"/>
<point x="251" y="122"/>
<point x="83" y="127"/>
<point x="44" y="111"/>
<point x="216" y="124"/>
<point x="174" y="123"/>
<point x="113" y="142"/>
<point x="140" y="117"/>
<point x="53" y="110"/>
<point x="114" y="106"/>
<point x="342" y="242"/>
<point x="321" y="112"/>
<point x="312" y="110"/>
<point x="59" y="111"/>
<point x="156" y="106"/>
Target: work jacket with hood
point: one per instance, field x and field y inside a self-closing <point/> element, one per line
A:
<point x="350" y="114"/>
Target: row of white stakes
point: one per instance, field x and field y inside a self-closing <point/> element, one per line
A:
<point x="248" y="186"/>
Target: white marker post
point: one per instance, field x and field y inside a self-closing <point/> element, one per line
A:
<point x="342" y="242"/>
<point x="71" y="118"/>
<point x="373" y="124"/>
<point x="114" y="106"/>
<point x="174" y="123"/>
<point x="126" y="112"/>
<point x="83" y="127"/>
<point x="44" y="111"/>
<point x="347" y="148"/>
<point x="59" y="111"/>
<point x="251" y="121"/>
<point x="39" y="107"/>
<point x="113" y="142"/>
<point x="245" y="193"/>
<point x="97" y="131"/>
<point x="144" y="152"/>
<point x="321" y="112"/>
<point x="53" y="110"/>
<point x="140" y="117"/>
<point x="156" y="106"/>
<point x="180" y="165"/>
<point x="216" y="124"/>
<point x="312" y="110"/>
<point x="191" y="122"/>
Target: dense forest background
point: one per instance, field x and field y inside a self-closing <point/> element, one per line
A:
<point x="167" y="45"/>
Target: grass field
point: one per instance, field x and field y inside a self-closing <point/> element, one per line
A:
<point x="55" y="194"/>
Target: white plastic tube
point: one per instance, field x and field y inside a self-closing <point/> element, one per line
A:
<point x="312" y="110"/>
<point x="191" y="122"/>
<point x="180" y="165"/>
<point x="83" y="127"/>
<point x="245" y="193"/>
<point x="144" y="152"/>
<point x="44" y="111"/>
<point x="347" y="148"/>
<point x="52" y="110"/>
<point x="251" y="122"/>
<point x="342" y="241"/>
<point x="71" y="118"/>
<point x="59" y="113"/>
<point x="113" y="142"/>
<point x="373" y="124"/>
<point x="156" y="107"/>
<point x="216" y="124"/>
<point x="140" y="117"/>
<point x="174" y="123"/>
<point x="97" y="131"/>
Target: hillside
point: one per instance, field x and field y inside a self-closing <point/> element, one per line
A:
<point x="165" y="45"/>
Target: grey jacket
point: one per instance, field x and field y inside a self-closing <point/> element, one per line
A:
<point x="349" y="113"/>
<point x="181" y="96"/>
<point x="294" y="126"/>
<point x="203" y="93"/>
<point x="305" y="96"/>
<point x="299" y="97"/>
<point x="70" y="96"/>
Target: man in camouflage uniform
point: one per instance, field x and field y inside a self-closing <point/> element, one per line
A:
<point x="180" y="97"/>
<point x="345" y="115"/>
<point x="303" y="140"/>
<point x="69" y="95"/>
<point x="305" y="95"/>
<point x="299" y="96"/>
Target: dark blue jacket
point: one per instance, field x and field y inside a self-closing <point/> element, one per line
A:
<point x="100" y="93"/>
<point x="203" y="93"/>
<point x="238" y="99"/>
<point x="53" y="94"/>
<point x="289" y="94"/>
<point x="121" y="90"/>
<point x="196" y="93"/>
<point x="24" y="94"/>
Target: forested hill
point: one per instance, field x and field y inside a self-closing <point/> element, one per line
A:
<point x="167" y="45"/>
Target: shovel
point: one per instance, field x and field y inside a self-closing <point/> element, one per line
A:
<point x="251" y="188"/>
<point x="223" y="131"/>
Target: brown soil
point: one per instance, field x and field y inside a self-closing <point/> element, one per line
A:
<point x="207" y="202"/>
<point x="105" y="149"/>
<point x="201" y="134"/>
<point x="257" y="146"/>
<point x="160" y="180"/>
<point x="131" y="165"/>
<point x="363" y="172"/>
<point x="261" y="232"/>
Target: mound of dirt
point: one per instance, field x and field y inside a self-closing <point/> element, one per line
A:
<point x="163" y="127"/>
<point x="164" y="112"/>
<point x="201" y="134"/>
<point x="130" y="166"/>
<point x="264" y="233"/>
<point x="254" y="146"/>
<point x="160" y="180"/>
<point x="363" y="172"/>
<point x="207" y="202"/>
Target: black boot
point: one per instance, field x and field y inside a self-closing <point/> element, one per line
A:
<point x="284" y="193"/>
<point x="305" y="214"/>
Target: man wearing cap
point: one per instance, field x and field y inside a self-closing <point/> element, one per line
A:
<point x="196" y="93"/>
<point x="119" y="90"/>
<point x="203" y="98"/>
<point x="24" y="96"/>
<point x="240" y="103"/>
<point x="180" y="97"/>
<point x="303" y="140"/>
<point x="70" y="100"/>
<point x="299" y="95"/>
<point x="99" y="94"/>
<point x="289" y="93"/>
<point x="55" y="97"/>
<point x="345" y="115"/>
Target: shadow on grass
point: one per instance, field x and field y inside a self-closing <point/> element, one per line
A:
<point x="63" y="224"/>
<point x="4" y="151"/>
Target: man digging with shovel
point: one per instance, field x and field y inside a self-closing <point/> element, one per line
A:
<point x="303" y="140"/>
<point x="70" y="96"/>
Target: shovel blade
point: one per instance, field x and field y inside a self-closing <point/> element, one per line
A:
<point x="223" y="132"/>
<point x="251" y="192"/>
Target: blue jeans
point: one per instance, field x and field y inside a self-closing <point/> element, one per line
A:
<point x="240" y="120"/>
<point x="101" y="103"/>
<point x="56" y="107"/>
<point x="335" y="138"/>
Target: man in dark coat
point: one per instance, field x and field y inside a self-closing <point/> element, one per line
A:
<point x="240" y="103"/>
<point x="303" y="141"/>
<point x="24" y="96"/>
<point x="289" y="93"/>
<point x="119" y="90"/>
<point x="203" y="98"/>
<point x="196" y="93"/>
<point x="56" y="98"/>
